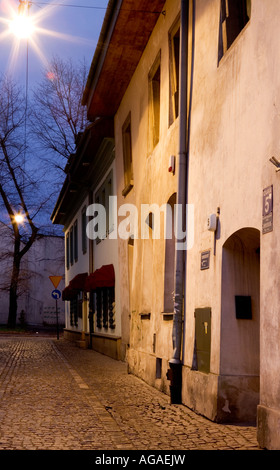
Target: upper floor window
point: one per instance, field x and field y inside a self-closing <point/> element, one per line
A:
<point x="72" y="245"/>
<point x="234" y="15"/>
<point x="104" y="224"/>
<point x="84" y="230"/>
<point x="127" y="156"/>
<point x="174" y="60"/>
<point x="154" y="103"/>
<point x="67" y="251"/>
<point x="75" y="241"/>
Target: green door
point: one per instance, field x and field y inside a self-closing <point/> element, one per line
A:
<point x="203" y="338"/>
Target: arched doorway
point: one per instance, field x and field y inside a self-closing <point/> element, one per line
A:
<point x="238" y="395"/>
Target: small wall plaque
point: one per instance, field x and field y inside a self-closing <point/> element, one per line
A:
<point x="205" y="260"/>
<point x="267" y="216"/>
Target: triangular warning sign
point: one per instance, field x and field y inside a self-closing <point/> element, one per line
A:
<point x="55" y="280"/>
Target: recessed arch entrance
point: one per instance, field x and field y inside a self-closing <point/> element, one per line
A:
<point x="238" y="394"/>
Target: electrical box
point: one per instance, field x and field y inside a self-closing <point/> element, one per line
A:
<point x="212" y="223"/>
<point x="203" y="338"/>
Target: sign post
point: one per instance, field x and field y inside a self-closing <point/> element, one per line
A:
<point x="56" y="294"/>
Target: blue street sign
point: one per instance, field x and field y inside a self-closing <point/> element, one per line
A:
<point x="56" y="294"/>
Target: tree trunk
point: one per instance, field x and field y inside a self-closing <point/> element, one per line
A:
<point x="12" y="319"/>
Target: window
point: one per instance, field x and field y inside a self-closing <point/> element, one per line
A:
<point x="71" y="246"/>
<point x="154" y="103"/>
<point x="75" y="233"/>
<point x="67" y="251"/>
<point x="105" y="308"/>
<point x="234" y="15"/>
<point x="174" y="51"/>
<point x="102" y="197"/>
<point x="127" y="156"/>
<point x="76" y="309"/>
<point x="84" y="230"/>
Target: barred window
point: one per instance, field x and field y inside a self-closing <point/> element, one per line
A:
<point x="76" y="309"/>
<point x="105" y="308"/>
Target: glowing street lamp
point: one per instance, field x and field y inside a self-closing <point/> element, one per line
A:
<point x="22" y="25"/>
<point x="19" y="218"/>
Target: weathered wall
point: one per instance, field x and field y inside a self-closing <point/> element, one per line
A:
<point x="142" y="286"/>
<point x="234" y="132"/>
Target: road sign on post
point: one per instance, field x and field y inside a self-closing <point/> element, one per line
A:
<point x="55" y="280"/>
<point x="56" y="294"/>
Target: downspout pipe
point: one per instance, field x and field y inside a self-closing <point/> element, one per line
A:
<point x="182" y="190"/>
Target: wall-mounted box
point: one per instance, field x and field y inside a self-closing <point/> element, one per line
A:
<point x="243" y="307"/>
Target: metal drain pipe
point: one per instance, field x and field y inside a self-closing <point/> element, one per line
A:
<point x="175" y="372"/>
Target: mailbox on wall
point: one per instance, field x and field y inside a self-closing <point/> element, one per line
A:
<point x="243" y="307"/>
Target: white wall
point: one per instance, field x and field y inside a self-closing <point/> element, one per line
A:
<point x="106" y="252"/>
<point x="78" y="267"/>
<point x="45" y="258"/>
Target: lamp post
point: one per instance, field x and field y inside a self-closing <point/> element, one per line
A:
<point x="22" y="27"/>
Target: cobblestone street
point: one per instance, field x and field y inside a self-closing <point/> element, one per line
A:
<point x="56" y="396"/>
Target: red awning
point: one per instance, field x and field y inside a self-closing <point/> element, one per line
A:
<point x="68" y="293"/>
<point x="103" y="277"/>
<point x="78" y="282"/>
<point x="75" y="285"/>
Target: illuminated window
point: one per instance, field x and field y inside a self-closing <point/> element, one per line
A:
<point x="154" y="103"/>
<point x="127" y="156"/>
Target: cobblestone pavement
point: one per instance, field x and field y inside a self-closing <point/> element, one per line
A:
<point x="56" y="396"/>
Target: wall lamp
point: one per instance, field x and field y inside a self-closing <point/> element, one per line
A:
<point x="275" y="162"/>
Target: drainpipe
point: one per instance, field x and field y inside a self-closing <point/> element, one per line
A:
<point x="175" y="372"/>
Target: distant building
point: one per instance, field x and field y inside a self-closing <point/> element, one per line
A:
<point x="36" y="306"/>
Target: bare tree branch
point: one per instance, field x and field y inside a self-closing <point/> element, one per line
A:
<point x="58" y="115"/>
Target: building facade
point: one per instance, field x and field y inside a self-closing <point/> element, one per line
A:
<point x="36" y="306"/>
<point x="91" y="294"/>
<point x="195" y="112"/>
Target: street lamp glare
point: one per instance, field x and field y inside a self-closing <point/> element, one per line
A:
<point x="22" y="26"/>
<point x="19" y="218"/>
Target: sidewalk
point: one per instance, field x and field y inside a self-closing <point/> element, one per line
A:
<point x="56" y="396"/>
